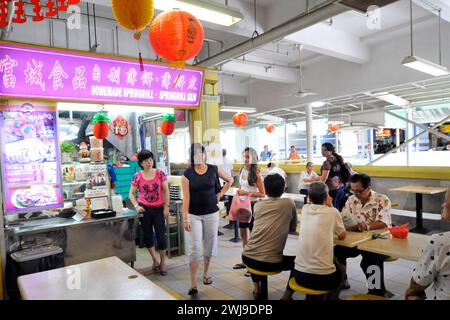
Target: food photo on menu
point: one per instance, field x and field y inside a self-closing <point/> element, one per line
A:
<point x="29" y="159"/>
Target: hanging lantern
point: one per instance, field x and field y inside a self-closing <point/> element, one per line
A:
<point x="240" y="119"/>
<point x="176" y="36"/>
<point x="120" y="127"/>
<point x="333" y="128"/>
<point x="168" y="124"/>
<point x="270" y="128"/>
<point x="135" y="16"/>
<point x="101" y="125"/>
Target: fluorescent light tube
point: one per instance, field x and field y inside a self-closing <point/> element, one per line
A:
<point x="318" y="104"/>
<point x="390" y="98"/>
<point x="64" y="106"/>
<point x="203" y="10"/>
<point x="425" y="66"/>
<point x="237" y="109"/>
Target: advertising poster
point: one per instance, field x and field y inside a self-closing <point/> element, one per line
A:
<point x="31" y="177"/>
<point x="97" y="181"/>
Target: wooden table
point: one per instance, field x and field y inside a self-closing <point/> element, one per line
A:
<point x="353" y="238"/>
<point x="419" y="191"/>
<point x="409" y="248"/>
<point x="104" y="279"/>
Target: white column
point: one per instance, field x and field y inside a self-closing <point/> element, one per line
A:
<point x="397" y="139"/>
<point x="409" y="136"/>
<point x="286" y="138"/>
<point x="309" y="133"/>
<point x="370" y="144"/>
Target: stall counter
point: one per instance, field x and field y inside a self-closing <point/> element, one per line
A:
<point x="81" y="241"/>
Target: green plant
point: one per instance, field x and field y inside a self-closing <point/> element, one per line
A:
<point x="67" y="147"/>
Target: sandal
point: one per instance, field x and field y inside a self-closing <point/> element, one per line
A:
<point x="192" y="291"/>
<point x="163" y="272"/>
<point x="155" y="268"/>
<point x="248" y="274"/>
<point x="207" y="280"/>
<point x="239" y="266"/>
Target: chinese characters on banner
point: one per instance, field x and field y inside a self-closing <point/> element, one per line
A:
<point x="30" y="161"/>
<point x="50" y="9"/>
<point x="41" y="73"/>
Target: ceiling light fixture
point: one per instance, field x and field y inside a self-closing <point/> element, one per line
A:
<point x="65" y="106"/>
<point x="237" y="109"/>
<point x="421" y="64"/>
<point x="318" y="104"/>
<point x="391" y="98"/>
<point x="203" y="10"/>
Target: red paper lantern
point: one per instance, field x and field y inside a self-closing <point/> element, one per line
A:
<point x="101" y="125"/>
<point x="168" y="124"/>
<point x="334" y="128"/>
<point x="176" y="35"/>
<point x="240" y="119"/>
<point x="270" y="128"/>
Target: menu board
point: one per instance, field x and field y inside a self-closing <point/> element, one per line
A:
<point x="30" y="162"/>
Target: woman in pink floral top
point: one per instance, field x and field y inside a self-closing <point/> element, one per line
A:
<point x="151" y="184"/>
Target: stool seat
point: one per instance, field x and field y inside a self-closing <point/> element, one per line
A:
<point x="390" y="259"/>
<point x="262" y="273"/>
<point x="296" y="287"/>
<point x="364" y="297"/>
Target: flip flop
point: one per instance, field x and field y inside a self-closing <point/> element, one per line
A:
<point x="155" y="268"/>
<point x="192" y="291"/>
<point x="248" y="274"/>
<point x="207" y="280"/>
<point x="163" y="272"/>
<point x="239" y="266"/>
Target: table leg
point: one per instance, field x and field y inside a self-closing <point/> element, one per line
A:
<point x="419" y="219"/>
<point x="236" y="238"/>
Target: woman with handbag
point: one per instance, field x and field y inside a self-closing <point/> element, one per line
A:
<point x="201" y="194"/>
<point x="251" y="185"/>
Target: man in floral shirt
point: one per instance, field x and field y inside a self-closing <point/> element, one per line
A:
<point x="366" y="210"/>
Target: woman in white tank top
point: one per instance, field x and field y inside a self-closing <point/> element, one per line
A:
<point x="251" y="185"/>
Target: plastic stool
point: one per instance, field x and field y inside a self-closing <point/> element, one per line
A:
<point x="264" y="285"/>
<point x="364" y="297"/>
<point x="310" y="293"/>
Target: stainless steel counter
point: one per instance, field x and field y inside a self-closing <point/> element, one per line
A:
<point x="81" y="241"/>
<point x="51" y="224"/>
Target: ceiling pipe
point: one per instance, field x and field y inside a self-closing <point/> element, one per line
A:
<point x="303" y="21"/>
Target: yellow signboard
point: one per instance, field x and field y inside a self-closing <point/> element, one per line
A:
<point x="445" y="128"/>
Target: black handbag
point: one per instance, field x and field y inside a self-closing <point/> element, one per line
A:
<point x="218" y="187"/>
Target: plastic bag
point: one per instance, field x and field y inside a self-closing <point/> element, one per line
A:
<point x="241" y="209"/>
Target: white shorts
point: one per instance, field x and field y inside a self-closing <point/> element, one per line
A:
<point x="206" y="228"/>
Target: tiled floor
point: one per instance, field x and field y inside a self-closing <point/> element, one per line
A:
<point x="232" y="284"/>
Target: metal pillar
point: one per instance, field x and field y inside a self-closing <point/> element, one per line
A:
<point x="370" y="144"/>
<point x="409" y="133"/>
<point x="309" y="135"/>
<point x="397" y="138"/>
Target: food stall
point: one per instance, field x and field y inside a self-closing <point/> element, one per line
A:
<point x="59" y="194"/>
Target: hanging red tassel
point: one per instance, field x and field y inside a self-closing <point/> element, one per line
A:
<point x="141" y="62"/>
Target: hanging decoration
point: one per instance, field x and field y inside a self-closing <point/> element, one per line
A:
<point x="101" y="125"/>
<point x="135" y="16"/>
<point x="333" y="128"/>
<point x="270" y="128"/>
<point x="168" y="124"/>
<point x="120" y="127"/>
<point x="240" y="119"/>
<point x="176" y="36"/>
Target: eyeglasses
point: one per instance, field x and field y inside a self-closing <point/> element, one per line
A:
<point x="358" y="191"/>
